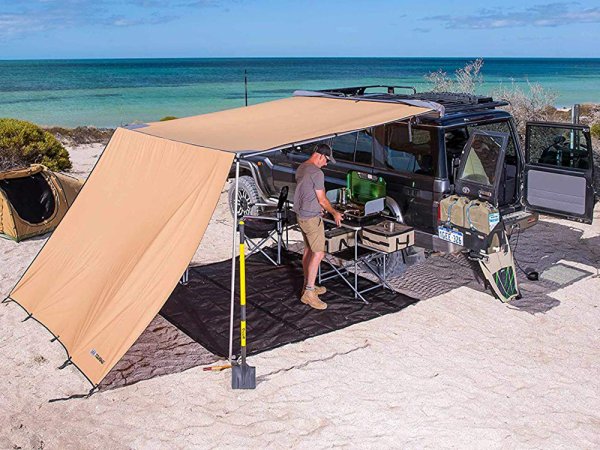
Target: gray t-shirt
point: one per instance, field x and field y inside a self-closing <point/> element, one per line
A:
<point x="308" y="179"/>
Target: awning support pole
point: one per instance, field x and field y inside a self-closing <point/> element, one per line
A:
<point x="233" y="247"/>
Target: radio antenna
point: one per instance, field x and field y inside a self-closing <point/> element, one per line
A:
<point x="246" y="87"/>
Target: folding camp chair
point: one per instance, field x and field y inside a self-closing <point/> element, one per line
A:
<point x="270" y="226"/>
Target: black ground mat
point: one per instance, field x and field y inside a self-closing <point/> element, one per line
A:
<point x="275" y="314"/>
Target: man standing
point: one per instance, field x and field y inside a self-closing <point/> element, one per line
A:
<point x="309" y="201"/>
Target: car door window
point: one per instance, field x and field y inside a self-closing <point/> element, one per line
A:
<point x="559" y="147"/>
<point x="308" y="149"/>
<point x="343" y="147"/>
<point x="364" y="147"/>
<point x="481" y="163"/>
<point x="498" y="127"/>
<point x="409" y="155"/>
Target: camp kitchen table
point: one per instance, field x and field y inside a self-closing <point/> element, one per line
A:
<point x="367" y="258"/>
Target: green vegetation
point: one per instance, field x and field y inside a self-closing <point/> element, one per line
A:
<point x="595" y="130"/>
<point x="81" y="135"/>
<point x="23" y="143"/>
<point x="164" y="119"/>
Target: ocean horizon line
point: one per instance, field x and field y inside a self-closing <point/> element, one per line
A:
<point x="460" y="58"/>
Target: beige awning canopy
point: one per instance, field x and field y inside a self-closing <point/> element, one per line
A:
<point x="121" y="248"/>
<point x="279" y="123"/>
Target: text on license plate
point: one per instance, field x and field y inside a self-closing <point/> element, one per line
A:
<point x="456" y="237"/>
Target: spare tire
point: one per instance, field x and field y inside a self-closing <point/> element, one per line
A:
<point x="248" y="196"/>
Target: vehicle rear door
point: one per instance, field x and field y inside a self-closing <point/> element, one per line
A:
<point x="559" y="170"/>
<point x="481" y="164"/>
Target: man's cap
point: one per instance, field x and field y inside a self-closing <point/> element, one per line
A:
<point x="325" y="149"/>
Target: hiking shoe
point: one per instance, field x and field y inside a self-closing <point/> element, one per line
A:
<point x="311" y="298"/>
<point x="319" y="290"/>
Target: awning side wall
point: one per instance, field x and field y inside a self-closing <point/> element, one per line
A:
<point x="120" y="250"/>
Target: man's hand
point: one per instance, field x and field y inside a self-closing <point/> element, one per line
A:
<point x="324" y="202"/>
<point x="337" y="216"/>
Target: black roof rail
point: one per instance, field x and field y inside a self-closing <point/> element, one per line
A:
<point x="453" y="102"/>
<point x="360" y="90"/>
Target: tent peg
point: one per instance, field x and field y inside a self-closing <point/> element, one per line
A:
<point x="29" y="316"/>
<point x="92" y="391"/>
<point x="54" y="339"/>
<point x="68" y="362"/>
<point x="6" y="301"/>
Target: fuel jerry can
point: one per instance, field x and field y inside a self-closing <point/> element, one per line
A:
<point x="452" y="210"/>
<point x="481" y="216"/>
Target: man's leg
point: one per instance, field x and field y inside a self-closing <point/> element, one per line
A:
<point x="314" y="240"/>
<point x="310" y="295"/>
<point x="305" y="261"/>
<point x="313" y="268"/>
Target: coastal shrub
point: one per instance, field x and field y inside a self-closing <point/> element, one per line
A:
<point x="164" y="119"/>
<point x="535" y="103"/>
<point x="595" y="130"/>
<point x="81" y="135"/>
<point x="23" y="143"/>
<point x="466" y="79"/>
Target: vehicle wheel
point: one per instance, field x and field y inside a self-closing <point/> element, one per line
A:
<point x="247" y="196"/>
<point x="396" y="263"/>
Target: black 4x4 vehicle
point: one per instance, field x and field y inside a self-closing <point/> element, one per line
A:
<point x="469" y="147"/>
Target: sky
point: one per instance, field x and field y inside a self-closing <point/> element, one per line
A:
<point x="40" y="29"/>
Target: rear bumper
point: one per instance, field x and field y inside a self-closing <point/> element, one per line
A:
<point x="514" y="222"/>
<point x="433" y="242"/>
<point x="520" y="222"/>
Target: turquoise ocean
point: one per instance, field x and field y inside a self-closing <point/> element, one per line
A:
<point x="113" y="92"/>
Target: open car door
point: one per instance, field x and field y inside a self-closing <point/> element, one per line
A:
<point x="481" y="164"/>
<point x="559" y="170"/>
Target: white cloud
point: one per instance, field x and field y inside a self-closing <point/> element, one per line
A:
<point x="542" y="15"/>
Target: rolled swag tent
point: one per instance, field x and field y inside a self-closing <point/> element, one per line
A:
<point x="121" y="249"/>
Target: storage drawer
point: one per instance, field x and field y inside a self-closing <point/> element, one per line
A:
<point x="388" y="236"/>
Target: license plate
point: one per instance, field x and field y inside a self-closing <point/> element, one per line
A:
<point x="456" y="237"/>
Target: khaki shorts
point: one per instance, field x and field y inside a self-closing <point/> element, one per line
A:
<point x="313" y="233"/>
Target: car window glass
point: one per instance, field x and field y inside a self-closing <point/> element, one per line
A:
<point x="556" y="146"/>
<point x="364" y="147"/>
<point x="499" y="127"/>
<point x="482" y="158"/>
<point x="308" y="149"/>
<point x="343" y="147"/>
<point x="406" y="155"/>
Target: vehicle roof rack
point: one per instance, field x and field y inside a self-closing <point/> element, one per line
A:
<point x="452" y="102"/>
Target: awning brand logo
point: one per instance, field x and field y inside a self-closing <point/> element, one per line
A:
<point x="97" y="356"/>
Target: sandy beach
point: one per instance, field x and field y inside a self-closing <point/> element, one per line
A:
<point x="458" y="369"/>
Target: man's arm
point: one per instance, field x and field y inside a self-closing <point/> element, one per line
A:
<point x="326" y="205"/>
